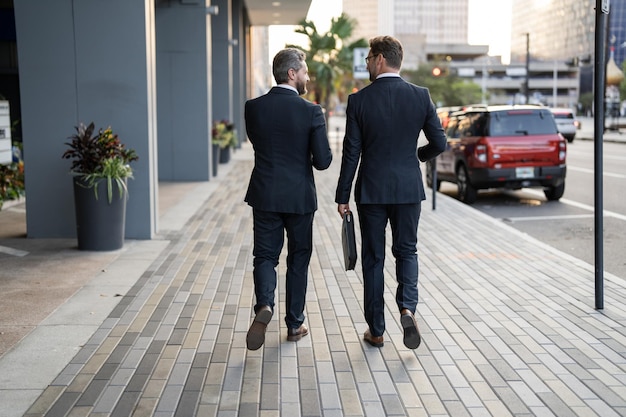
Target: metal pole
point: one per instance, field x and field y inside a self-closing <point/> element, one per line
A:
<point x="602" y="12"/>
<point x="434" y="184"/>
<point x="527" y="81"/>
<point x="555" y="79"/>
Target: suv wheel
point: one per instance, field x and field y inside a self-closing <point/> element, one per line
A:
<point x="554" y="193"/>
<point x="429" y="176"/>
<point x="467" y="192"/>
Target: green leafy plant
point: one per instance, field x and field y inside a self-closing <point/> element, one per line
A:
<point x="224" y="134"/>
<point x="99" y="156"/>
<point x="11" y="181"/>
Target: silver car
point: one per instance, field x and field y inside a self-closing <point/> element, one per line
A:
<point x="566" y="122"/>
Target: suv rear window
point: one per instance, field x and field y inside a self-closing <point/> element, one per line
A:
<point x="521" y="123"/>
<point x="563" y="115"/>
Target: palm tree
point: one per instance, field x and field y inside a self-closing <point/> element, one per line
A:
<point x="328" y="57"/>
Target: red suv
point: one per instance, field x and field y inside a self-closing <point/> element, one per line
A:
<point x="506" y="147"/>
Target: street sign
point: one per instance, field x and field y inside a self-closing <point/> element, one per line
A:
<point x="359" y="67"/>
<point x="606" y="5"/>
<point x="6" y="156"/>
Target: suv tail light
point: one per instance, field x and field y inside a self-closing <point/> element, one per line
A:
<point x="562" y="151"/>
<point x="480" y="153"/>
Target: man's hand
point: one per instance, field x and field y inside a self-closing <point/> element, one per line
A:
<point x="342" y="208"/>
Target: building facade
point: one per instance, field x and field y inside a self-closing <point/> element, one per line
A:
<point x="617" y="30"/>
<point x="159" y="75"/>
<point x="564" y="31"/>
<point x="428" y="29"/>
<point x="559" y="29"/>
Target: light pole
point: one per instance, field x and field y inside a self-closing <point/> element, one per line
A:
<point x="526" y="82"/>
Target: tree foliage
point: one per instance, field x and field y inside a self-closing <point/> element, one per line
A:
<point x="447" y="89"/>
<point x="330" y="60"/>
<point x="329" y="57"/>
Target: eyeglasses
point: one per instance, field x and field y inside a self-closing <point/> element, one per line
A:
<point x="367" y="58"/>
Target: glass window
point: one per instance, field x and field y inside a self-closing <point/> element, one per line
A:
<point x="520" y="123"/>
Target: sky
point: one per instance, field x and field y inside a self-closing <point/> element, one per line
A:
<point x="489" y="24"/>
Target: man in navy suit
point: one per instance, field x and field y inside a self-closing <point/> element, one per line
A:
<point x="383" y="122"/>
<point x="289" y="137"/>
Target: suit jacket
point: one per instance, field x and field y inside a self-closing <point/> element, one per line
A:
<point x="383" y="124"/>
<point x="289" y="137"/>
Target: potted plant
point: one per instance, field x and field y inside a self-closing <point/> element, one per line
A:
<point x="101" y="168"/>
<point x="11" y="181"/>
<point x="224" y="136"/>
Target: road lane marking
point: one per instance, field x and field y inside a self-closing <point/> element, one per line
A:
<point x="572" y="203"/>
<point x="564" y="217"/>
<point x="591" y="171"/>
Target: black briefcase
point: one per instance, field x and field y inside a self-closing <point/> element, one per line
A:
<point x="348" y="241"/>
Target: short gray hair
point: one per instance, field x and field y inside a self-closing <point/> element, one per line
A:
<point x="285" y="60"/>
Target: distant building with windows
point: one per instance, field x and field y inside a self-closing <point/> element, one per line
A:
<point x="561" y="34"/>
<point x="617" y="32"/>
<point x="430" y="30"/>
<point x="559" y="29"/>
<point x="563" y="31"/>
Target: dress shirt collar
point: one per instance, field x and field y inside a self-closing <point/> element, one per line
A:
<point x="388" y="74"/>
<point x="288" y="87"/>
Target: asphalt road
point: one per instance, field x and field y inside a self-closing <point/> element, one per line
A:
<point x="569" y="224"/>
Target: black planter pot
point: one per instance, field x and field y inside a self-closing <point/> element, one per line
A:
<point x="225" y="155"/>
<point x="216" y="158"/>
<point x="100" y="225"/>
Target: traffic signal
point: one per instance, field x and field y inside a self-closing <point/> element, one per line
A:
<point x="440" y="71"/>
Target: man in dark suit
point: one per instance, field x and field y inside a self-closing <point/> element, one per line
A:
<point x="384" y="120"/>
<point x="289" y="138"/>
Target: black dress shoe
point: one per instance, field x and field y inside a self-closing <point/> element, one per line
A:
<point x="256" y="333"/>
<point x="412" y="338"/>
<point x="293" y="335"/>
<point x="376" y="341"/>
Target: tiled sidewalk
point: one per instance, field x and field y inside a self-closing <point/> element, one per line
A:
<point x="508" y="328"/>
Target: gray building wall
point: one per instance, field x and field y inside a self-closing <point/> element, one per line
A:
<point x="108" y="62"/>
<point x="222" y="73"/>
<point x="79" y="67"/>
<point x="183" y="33"/>
<point x="240" y="66"/>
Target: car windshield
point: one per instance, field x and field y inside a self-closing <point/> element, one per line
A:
<point x="563" y="115"/>
<point x="520" y="123"/>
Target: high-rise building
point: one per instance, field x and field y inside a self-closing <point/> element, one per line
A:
<point x="370" y="20"/>
<point x="559" y="30"/>
<point x="435" y="31"/>
<point x="564" y="31"/>
<point x="439" y="21"/>
<point x="617" y="30"/>
<point x="428" y="29"/>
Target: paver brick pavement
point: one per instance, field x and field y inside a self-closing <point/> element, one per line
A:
<point x="508" y="328"/>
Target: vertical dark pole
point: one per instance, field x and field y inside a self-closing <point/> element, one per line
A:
<point x="527" y="81"/>
<point x="602" y="12"/>
<point x="434" y="184"/>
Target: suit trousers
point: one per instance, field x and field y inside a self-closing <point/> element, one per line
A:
<point x="269" y="233"/>
<point x="404" y="220"/>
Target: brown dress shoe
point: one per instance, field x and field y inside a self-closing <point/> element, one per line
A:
<point x="376" y="341"/>
<point x="412" y="338"/>
<point x="293" y="335"/>
<point x="256" y="333"/>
